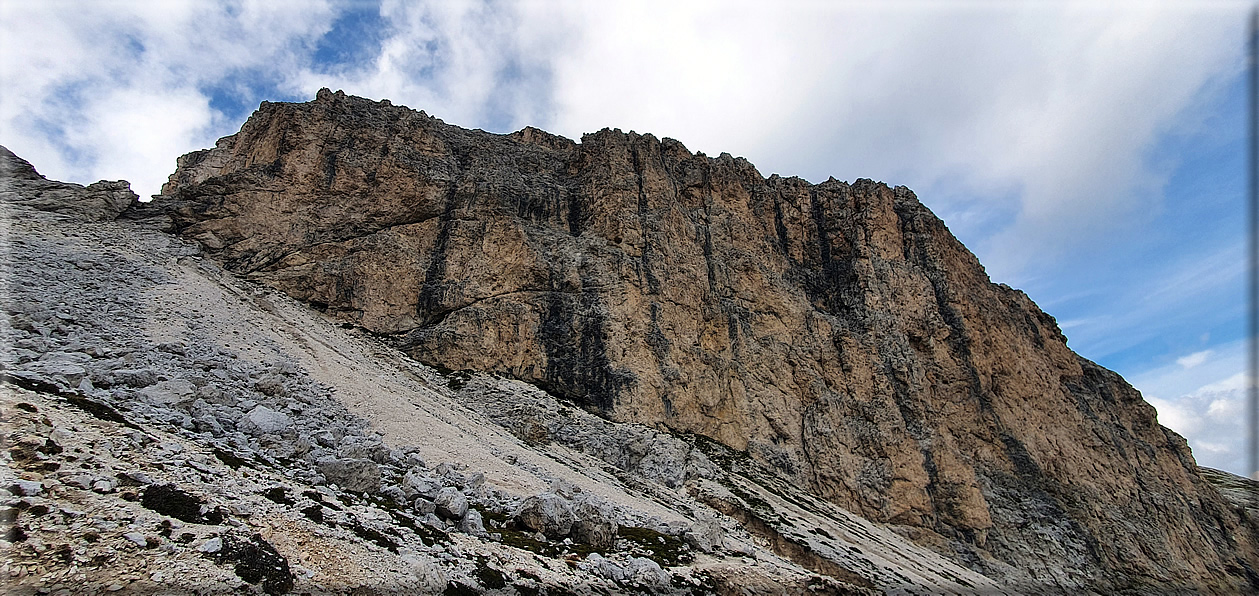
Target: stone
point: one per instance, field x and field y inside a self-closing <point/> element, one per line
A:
<point x="428" y="574"/>
<point x="83" y="481"/>
<point x="394" y="493"/>
<point x="450" y="503"/>
<point x="415" y="482"/>
<point x="706" y="534"/>
<point x="547" y="513"/>
<point x="137" y="378"/>
<point x="647" y="573"/>
<point x="211" y="546"/>
<point x="26" y="488"/>
<point x="358" y="475"/>
<point x="472" y="523"/>
<point x="169" y="392"/>
<point x="262" y="420"/>
<point x="595" y="524"/>
<point x="99" y="201"/>
<point x="137" y="538"/>
<point x="424" y="506"/>
<point x="66" y="374"/>
<point x="272" y="385"/>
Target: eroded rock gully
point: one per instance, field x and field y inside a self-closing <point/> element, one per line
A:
<point x="837" y="333"/>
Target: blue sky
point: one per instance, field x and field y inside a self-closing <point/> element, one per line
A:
<point x="1090" y="154"/>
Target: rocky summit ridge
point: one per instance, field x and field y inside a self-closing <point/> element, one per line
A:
<point x="644" y="369"/>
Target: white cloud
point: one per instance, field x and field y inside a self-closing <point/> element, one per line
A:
<point x="1040" y="111"/>
<point x="1194" y="359"/>
<point x="1177" y="417"/>
<point x="115" y="89"/>
<point x="1050" y="105"/>
<point x="469" y="63"/>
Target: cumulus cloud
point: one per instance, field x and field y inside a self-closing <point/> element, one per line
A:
<point x="1035" y="117"/>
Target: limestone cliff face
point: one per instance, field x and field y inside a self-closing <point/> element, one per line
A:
<point x="836" y="332"/>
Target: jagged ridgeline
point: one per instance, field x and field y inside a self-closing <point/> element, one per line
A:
<point x="836" y="333"/>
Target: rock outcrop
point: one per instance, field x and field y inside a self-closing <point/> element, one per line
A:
<point x="99" y="201"/>
<point x="835" y="333"/>
<point x="170" y="428"/>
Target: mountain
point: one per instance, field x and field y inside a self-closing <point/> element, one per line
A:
<point x="818" y="375"/>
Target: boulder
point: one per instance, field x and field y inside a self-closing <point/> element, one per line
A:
<point x="595" y="524"/>
<point x="451" y="503"/>
<point x="705" y="534"/>
<point x="359" y="475"/>
<point x="416" y="483"/>
<point x="264" y="421"/>
<point x="472" y="523"/>
<point x="547" y="513"/>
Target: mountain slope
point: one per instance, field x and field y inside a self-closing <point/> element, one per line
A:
<point x="172" y="428"/>
<point x="836" y="333"/>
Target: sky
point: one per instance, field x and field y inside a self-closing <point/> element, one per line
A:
<point x="1091" y="154"/>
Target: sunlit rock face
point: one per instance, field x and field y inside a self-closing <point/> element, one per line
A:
<point x="836" y="332"/>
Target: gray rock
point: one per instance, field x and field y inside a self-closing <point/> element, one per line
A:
<point x="547" y="513"/>
<point x="359" y="475"/>
<point x="272" y="385"/>
<point x="706" y="534"/>
<point x="83" y="481"/>
<point x="428" y="574"/>
<point x="595" y="524"/>
<point x="61" y="372"/>
<point x="432" y="520"/>
<point x="646" y="573"/>
<point x="212" y="545"/>
<point x="264" y="421"/>
<point x="137" y="538"/>
<point x="26" y="488"/>
<point x="417" y="483"/>
<point x="394" y="492"/>
<point x="353" y="451"/>
<point x="472" y="523"/>
<point x="137" y="378"/>
<point x="451" y="503"/>
<point x="166" y="393"/>
<point x="424" y="506"/>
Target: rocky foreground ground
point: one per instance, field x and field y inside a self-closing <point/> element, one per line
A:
<point x="170" y="428"/>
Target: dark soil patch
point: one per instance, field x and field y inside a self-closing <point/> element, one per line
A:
<point x="167" y="499"/>
<point x="257" y="562"/>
